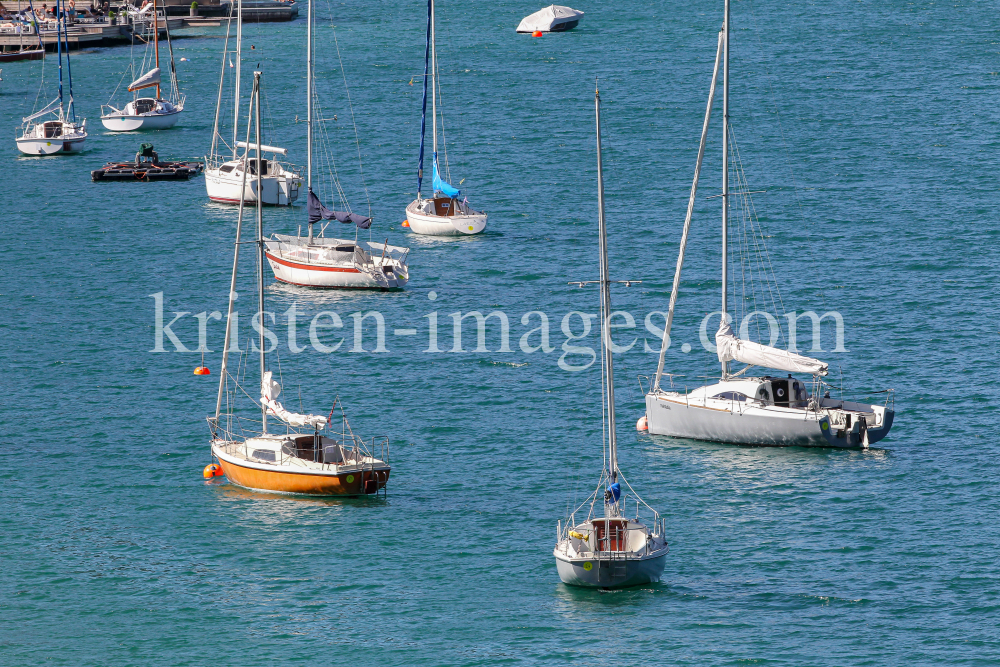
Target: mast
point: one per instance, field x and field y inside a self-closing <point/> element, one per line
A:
<point x="687" y="219"/>
<point x="434" y="69"/>
<point x="260" y="241"/>
<point x="156" y="45"/>
<point x="218" y="100"/>
<point x="69" y="71"/>
<point x="59" y="51"/>
<point x="725" y="174"/>
<point x="232" y="286"/>
<point x="423" y="111"/>
<point x="606" y="359"/>
<point x="239" y="57"/>
<point x="309" y="111"/>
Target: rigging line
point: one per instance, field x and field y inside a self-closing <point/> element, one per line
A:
<point x="357" y="139"/>
<point x="440" y="104"/>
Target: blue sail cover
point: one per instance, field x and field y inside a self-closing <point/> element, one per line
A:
<point x="319" y="212"/>
<point x="441" y="186"/>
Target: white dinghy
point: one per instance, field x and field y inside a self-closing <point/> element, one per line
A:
<point x="148" y="113"/>
<point x="55" y="129"/>
<point x="332" y="263"/>
<point x="442" y="214"/>
<point x="742" y="409"/>
<point x="554" y="18"/>
<point x="609" y="549"/>
<point x="225" y="164"/>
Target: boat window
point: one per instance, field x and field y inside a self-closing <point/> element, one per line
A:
<point x="144" y="105"/>
<point x="264" y="454"/>
<point x="344" y="248"/>
<point x="226" y="168"/>
<point x="731" y="396"/>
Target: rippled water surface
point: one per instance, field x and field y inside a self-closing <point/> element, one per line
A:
<point x="872" y="127"/>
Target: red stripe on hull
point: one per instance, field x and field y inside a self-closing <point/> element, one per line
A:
<point x="308" y="267"/>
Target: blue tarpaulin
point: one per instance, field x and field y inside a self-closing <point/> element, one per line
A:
<point x="441" y="186"/>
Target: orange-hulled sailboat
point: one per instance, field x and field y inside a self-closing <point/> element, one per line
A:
<point x="299" y="453"/>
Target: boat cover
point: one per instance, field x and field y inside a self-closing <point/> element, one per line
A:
<point x="150" y="78"/>
<point x="441" y="186"/>
<point x="319" y="212"/>
<point x="544" y="19"/>
<point x="269" y="391"/>
<point x="731" y="348"/>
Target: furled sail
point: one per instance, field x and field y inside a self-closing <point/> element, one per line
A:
<point x="731" y="348"/>
<point x="442" y="186"/>
<point x="150" y="78"/>
<point x="319" y="212"/>
<point x="269" y="391"/>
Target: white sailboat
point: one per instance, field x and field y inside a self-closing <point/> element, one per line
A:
<point x="302" y="454"/>
<point x="148" y="113"/>
<point x="740" y="408"/>
<point x="55" y="129"/>
<point x="609" y="549"/>
<point x="442" y="214"/>
<point x="333" y="263"/>
<point x="224" y="165"/>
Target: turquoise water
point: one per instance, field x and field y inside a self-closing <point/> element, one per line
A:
<point x="871" y="126"/>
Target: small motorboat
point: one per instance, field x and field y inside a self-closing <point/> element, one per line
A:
<point x="554" y="18"/>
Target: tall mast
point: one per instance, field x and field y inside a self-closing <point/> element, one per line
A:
<point x="232" y="281"/>
<point x="309" y="110"/>
<point x="239" y="58"/>
<point x="59" y="51"/>
<point x="606" y="359"/>
<point x="156" y="44"/>
<point x="218" y="99"/>
<point x="725" y="173"/>
<point x="423" y="110"/>
<point x="69" y="72"/>
<point x="260" y="241"/>
<point x="434" y="69"/>
<point x="687" y="219"/>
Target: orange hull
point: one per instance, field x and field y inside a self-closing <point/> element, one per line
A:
<point x="345" y="484"/>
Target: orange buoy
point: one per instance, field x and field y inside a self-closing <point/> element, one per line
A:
<point x="406" y="223"/>
<point x="642" y="424"/>
<point x="537" y="33"/>
<point x="202" y="370"/>
<point x="212" y="470"/>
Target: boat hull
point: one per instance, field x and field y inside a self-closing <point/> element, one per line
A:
<point x="603" y="573"/>
<point x="135" y="123"/>
<point x="53" y="146"/>
<point x="681" y="419"/>
<point x="326" y="277"/>
<point x="441" y="225"/>
<point x="277" y="190"/>
<point x="28" y="54"/>
<point x="352" y="483"/>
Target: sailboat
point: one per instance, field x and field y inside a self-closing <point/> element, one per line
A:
<point x="741" y="408"/>
<point x="224" y="180"/>
<point x="316" y="260"/>
<point x="442" y="214"/>
<point x="301" y="454"/>
<point x="609" y="549"/>
<point x="55" y="129"/>
<point x="148" y="113"/>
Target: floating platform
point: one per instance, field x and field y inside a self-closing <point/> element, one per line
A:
<point x="147" y="171"/>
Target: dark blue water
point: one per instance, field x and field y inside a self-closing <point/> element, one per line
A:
<point x="872" y="126"/>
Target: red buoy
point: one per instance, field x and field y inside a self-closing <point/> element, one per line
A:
<point x="537" y="33"/>
<point x="202" y="370"/>
<point x="406" y="223"/>
<point x="212" y="470"/>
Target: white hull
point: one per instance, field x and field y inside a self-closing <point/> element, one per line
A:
<point x="465" y="223"/>
<point x="33" y="146"/>
<point x="610" y="573"/>
<point x="156" y="115"/>
<point x="751" y="422"/>
<point x="336" y="263"/>
<point x="280" y="190"/>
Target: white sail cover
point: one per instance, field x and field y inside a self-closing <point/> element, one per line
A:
<point x="546" y="19"/>
<point x="150" y="78"/>
<point x="269" y="391"/>
<point x="731" y="348"/>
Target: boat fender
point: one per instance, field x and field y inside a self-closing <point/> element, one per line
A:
<point x="642" y="424"/>
<point x="578" y="535"/>
<point x="212" y="470"/>
<point x="406" y="223"/>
